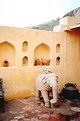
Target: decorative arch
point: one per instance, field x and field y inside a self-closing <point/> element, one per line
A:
<point x="42" y="55"/>
<point x="8" y="41"/>
<point x="25" y="46"/>
<point x="25" y="61"/>
<point x="58" y="48"/>
<point x="58" y="60"/>
<point x="7" y="52"/>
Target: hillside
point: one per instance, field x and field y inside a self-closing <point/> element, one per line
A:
<point x="48" y="25"/>
<point x="75" y="13"/>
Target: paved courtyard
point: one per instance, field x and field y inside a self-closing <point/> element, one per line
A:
<point x="29" y="109"/>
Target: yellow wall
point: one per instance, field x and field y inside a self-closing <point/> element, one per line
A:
<point x="19" y="78"/>
<point x="72" y="57"/>
<point x="69" y="21"/>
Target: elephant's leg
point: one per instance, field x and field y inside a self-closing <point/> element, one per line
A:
<point x="37" y="94"/>
<point x="45" y="97"/>
<point x="55" y="94"/>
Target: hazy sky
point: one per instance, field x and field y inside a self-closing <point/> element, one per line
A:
<point x="25" y="13"/>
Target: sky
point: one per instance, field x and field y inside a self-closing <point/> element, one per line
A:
<point x="27" y="13"/>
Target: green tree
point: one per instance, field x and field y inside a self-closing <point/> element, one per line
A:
<point x="48" y="25"/>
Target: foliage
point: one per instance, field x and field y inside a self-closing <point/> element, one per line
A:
<point x="48" y="25"/>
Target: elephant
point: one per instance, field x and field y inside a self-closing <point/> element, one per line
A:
<point x="44" y="83"/>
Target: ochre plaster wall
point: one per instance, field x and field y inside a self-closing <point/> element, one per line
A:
<point x="69" y="21"/>
<point x="19" y="79"/>
<point x="72" y="57"/>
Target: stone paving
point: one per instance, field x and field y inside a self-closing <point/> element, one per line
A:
<point x="29" y="109"/>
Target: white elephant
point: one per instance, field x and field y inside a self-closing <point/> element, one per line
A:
<point x="44" y="83"/>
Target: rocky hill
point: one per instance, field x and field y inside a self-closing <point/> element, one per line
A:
<point x="49" y="25"/>
<point x="75" y="12"/>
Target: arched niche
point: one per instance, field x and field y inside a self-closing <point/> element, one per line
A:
<point x="58" y="60"/>
<point x="25" y="46"/>
<point x="7" y="52"/>
<point x="42" y="55"/>
<point x="58" y="48"/>
<point x="25" y="61"/>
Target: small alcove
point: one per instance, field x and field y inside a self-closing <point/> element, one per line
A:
<point x="25" y="46"/>
<point x="7" y="54"/>
<point x="42" y="55"/>
<point x="58" y="60"/>
<point x="25" y="61"/>
<point x="58" y="48"/>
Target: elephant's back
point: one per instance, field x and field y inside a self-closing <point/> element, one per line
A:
<point x="39" y="82"/>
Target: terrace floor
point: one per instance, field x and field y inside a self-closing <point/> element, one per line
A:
<point x="29" y="109"/>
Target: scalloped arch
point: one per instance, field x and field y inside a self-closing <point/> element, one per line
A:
<point x="42" y="53"/>
<point x="24" y="46"/>
<point x="58" y="46"/>
<point x="25" y="61"/>
<point x="41" y="50"/>
<point x="8" y="42"/>
<point x="7" y="51"/>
